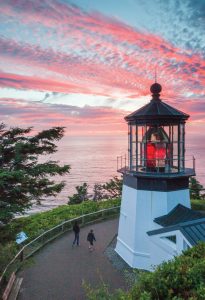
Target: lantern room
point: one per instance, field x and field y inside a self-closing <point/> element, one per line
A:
<point x="156" y="137"/>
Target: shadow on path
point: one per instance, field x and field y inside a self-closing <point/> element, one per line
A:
<point x="59" y="269"/>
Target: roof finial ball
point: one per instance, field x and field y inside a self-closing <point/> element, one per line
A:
<point x="155" y="89"/>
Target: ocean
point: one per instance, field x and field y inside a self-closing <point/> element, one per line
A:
<point x="93" y="159"/>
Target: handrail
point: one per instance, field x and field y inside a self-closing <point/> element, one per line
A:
<point x="155" y="165"/>
<point x="65" y="222"/>
<point x="20" y="253"/>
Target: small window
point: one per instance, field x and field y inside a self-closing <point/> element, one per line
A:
<point x="171" y="238"/>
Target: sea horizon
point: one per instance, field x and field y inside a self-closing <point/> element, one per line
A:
<point x="93" y="159"/>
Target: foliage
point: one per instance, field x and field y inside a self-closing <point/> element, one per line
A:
<point x="23" y="179"/>
<point x="6" y="253"/>
<point x="181" y="278"/>
<point x="184" y="277"/>
<point x="98" y="192"/>
<point x="195" y="188"/>
<point x="102" y="292"/>
<point x="81" y="195"/>
<point x="113" y="187"/>
<point x="198" y="204"/>
<point x="110" y="190"/>
<point x="36" y="224"/>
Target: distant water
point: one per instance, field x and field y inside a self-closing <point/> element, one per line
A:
<point x="93" y="159"/>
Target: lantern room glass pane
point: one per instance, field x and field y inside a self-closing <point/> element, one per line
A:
<point x="140" y="132"/>
<point x="167" y="130"/>
<point x="156" y="148"/>
<point x="139" y="150"/>
<point x="132" y="147"/>
<point x="134" y="157"/>
<point x="133" y="133"/>
<point x="175" y="133"/>
<point x="182" y="147"/>
<point x="175" y="155"/>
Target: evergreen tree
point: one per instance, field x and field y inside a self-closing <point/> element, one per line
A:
<point x="110" y="190"/>
<point x="23" y="179"/>
<point x="80" y="196"/>
<point x="113" y="187"/>
<point x="98" y="192"/>
<point x="195" y="188"/>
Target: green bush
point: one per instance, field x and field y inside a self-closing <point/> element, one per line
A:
<point x="7" y="252"/>
<point x="198" y="204"/>
<point x="102" y="293"/>
<point x="80" y="196"/>
<point x="183" y="277"/>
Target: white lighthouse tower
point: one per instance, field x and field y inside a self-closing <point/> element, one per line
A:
<point x="155" y="183"/>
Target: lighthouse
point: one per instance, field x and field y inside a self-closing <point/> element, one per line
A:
<point x="155" y="197"/>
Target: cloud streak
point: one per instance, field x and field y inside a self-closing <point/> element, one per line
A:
<point x="19" y="112"/>
<point x="60" y="48"/>
<point x="94" y="54"/>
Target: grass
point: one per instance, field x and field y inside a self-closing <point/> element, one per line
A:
<point x="198" y="204"/>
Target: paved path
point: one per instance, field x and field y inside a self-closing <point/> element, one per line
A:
<point x="59" y="269"/>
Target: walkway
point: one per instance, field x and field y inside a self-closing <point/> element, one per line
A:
<point x="59" y="269"/>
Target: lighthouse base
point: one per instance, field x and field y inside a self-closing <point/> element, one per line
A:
<point x="133" y="258"/>
<point x="139" y="208"/>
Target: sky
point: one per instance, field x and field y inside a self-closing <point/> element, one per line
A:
<point x="86" y="64"/>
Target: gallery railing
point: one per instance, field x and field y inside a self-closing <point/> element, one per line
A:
<point x="155" y="166"/>
<point x="49" y="235"/>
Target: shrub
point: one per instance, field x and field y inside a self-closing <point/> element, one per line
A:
<point x="178" y="279"/>
<point x="7" y="252"/>
<point x="80" y="196"/>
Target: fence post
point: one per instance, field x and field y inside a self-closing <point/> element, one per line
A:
<point x="21" y="255"/>
<point x="103" y="214"/>
<point x="42" y="238"/>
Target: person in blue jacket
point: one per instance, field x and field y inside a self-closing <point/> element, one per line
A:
<point x="76" y="230"/>
<point x="91" y="238"/>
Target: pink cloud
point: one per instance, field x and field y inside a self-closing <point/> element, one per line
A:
<point x="97" y="55"/>
<point x="45" y="84"/>
<point x="77" y="120"/>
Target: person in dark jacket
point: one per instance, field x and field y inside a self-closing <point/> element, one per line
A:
<point x="91" y="238"/>
<point x="76" y="230"/>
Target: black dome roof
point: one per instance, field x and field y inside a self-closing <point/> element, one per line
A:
<point x="156" y="111"/>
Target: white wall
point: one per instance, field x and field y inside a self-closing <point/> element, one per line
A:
<point x="163" y="249"/>
<point x="138" y="210"/>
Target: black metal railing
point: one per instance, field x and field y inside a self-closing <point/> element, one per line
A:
<point x="153" y="166"/>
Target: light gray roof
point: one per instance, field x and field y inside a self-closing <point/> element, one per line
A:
<point x="179" y="214"/>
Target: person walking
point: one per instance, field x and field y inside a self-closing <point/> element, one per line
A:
<point x="76" y="230"/>
<point x="91" y="238"/>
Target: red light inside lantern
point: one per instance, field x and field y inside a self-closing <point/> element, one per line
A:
<point x="155" y="154"/>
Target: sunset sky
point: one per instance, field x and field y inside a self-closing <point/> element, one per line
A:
<point x="85" y="64"/>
